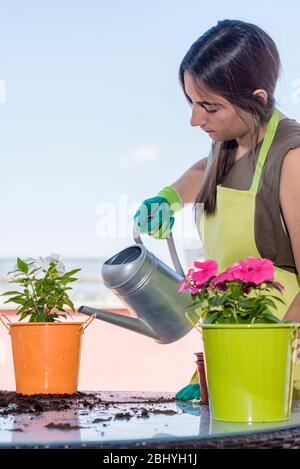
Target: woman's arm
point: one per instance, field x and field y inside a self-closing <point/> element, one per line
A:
<point x="189" y="184"/>
<point x="290" y="202"/>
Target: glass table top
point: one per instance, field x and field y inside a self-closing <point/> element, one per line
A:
<point x="125" y="418"/>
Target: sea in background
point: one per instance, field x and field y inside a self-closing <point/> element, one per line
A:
<point x="88" y="290"/>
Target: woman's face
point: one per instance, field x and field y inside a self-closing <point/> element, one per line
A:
<point x="214" y="114"/>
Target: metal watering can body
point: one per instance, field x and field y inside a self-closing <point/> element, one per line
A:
<point x="148" y="288"/>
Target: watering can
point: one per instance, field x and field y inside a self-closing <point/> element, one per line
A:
<point x="148" y="289"/>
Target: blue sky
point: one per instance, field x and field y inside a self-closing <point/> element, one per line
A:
<point x="94" y="110"/>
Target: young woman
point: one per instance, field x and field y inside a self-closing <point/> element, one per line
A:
<point x="249" y="184"/>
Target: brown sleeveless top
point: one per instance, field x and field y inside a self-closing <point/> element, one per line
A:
<point x="272" y="239"/>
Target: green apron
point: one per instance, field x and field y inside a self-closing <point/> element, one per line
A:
<point x="228" y="235"/>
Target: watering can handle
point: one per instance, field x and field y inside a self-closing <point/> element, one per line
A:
<point x="171" y="246"/>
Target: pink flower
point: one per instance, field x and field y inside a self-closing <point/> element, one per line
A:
<point x="260" y="270"/>
<point x="185" y="282"/>
<point x="239" y="271"/>
<point x="207" y="269"/>
<point x="223" y="277"/>
<point x="188" y="283"/>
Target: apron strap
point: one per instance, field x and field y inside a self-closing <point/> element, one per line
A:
<point x="267" y="142"/>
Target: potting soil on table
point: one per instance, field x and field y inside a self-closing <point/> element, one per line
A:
<point x="12" y="403"/>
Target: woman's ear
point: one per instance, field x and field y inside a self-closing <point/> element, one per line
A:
<point x="262" y="95"/>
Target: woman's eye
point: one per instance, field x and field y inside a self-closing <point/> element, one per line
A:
<point x="209" y="110"/>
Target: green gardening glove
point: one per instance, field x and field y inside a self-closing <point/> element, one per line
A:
<point x="191" y="391"/>
<point x="155" y="215"/>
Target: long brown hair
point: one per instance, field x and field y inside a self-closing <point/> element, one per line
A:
<point x="232" y="59"/>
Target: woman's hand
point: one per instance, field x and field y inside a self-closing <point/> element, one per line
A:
<point x="155" y="217"/>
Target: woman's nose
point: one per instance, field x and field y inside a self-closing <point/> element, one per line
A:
<point x="198" y="117"/>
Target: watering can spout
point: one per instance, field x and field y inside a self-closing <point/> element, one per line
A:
<point x="127" y="322"/>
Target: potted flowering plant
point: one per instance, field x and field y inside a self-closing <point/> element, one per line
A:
<point x="249" y="352"/>
<point x="46" y="346"/>
<point x="238" y="295"/>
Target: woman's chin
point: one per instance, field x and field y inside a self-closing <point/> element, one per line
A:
<point x="219" y="138"/>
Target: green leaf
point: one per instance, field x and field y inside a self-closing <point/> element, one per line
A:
<point x="21" y="281"/>
<point x="34" y="270"/>
<point x="15" y="272"/>
<point x="22" y="265"/>
<point x="71" y="272"/>
<point x="67" y="275"/>
<point x="211" y="317"/>
<point x="69" y="303"/>
<point x="247" y="304"/>
<point x="23" y="316"/>
<point x="38" y="316"/>
<point x="222" y="300"/>
<point x="16" y="299"/>
<point x="236" y="291"/>
<point x="215" y="301"/>
<point x="71" y="279"/>
<point x="267" y="317"/>
<point x="277" y="298"/>
<point x="10" y="293"/>
<point x="268" y="301"/>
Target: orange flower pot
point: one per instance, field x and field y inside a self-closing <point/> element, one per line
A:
<point x="46" y="356"/>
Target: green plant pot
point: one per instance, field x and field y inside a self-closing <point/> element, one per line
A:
<point x="250" y="370"/>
